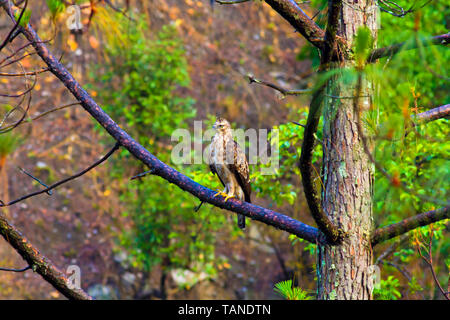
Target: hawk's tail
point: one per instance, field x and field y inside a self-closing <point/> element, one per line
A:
<point x="241" y="221"/>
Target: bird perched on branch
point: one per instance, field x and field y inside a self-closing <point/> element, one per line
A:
<point x="228" y="161"/>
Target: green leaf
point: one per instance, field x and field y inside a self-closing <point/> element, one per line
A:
<point x="287" y="291"/>
<point x="25" y="17"/>
<point x="363" y="45"/>
<point x="56" y="7"/>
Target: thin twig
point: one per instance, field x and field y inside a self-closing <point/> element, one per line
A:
<point x="429" y="262"/>
<point x="231" y="1"/>
<point x="39" y="116"/>
<point x="15" y="270"/>
<point x="13" y="30"/>
<point x="53" y="186"/>
<point x="283" y="91"/>
<point x="36" y="179"/>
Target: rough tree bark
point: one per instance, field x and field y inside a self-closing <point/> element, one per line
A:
<point x="344" y="270"/>
<point x="343" y="212"/>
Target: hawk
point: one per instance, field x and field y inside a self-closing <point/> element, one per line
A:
<point x="228" y="162"/>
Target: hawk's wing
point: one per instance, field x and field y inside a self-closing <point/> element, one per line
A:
<point x="211" y="163"/>
<point x="239" y="167"/>
<point x="213" y="170"/>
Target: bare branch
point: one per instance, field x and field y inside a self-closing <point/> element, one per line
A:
<point x="11" y="33"/>
<point x="433" y="114"/>
<point x="49" y="192"/>
<point x="231" y="1"/>
<point x="408" y="224"/>
<point x="29" y="73"/>
<point x="39" y="116"/>
<point x="38" y="262"/>
<point x="392" y="248"/>
<point x="292" y="13"/>
<point x="283" y="91"/>
<point x="307" y="170"/>
<point x="443" y="39"/>
<point x="429" y="261"/>
<point x="15" y="270"/>
<point x="396" y="10"/>
<point x="53" y="186"/>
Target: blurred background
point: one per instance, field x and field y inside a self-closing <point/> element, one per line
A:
<point x="157" y="66"/>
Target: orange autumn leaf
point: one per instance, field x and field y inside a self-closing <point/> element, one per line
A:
<point x="73" y="45"/>
<point x="26" y="63"/>
<point x="93" y="42"/>
<point x="396" y="180"/>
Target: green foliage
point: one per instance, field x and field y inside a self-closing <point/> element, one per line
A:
<point x="289" y="292"/>
<point x="414" y="286"/>
<point x="26" y="15"/>
<point x="148" y="72"/>
<point x="56" y="7"/>
<point x="309" y="247"/>
<point x="388" y="289"/>
<point x="410" y="82"/>
<point x="9" y="142"/>
<point x="141" y="84"/>
<point x="271" y="185"/>
<point x="363" y="45"/>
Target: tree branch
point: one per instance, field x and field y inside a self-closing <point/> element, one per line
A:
<point x="39" y="263"/>
<point x="159" y="168"/>
<point x="376" y="54"/>
<point x="53" y="186"/>
<point x="283" y="91"/>
<point x="433" y="114"/>
<point x="15" y="270"/>
<point x="293" y="14"/>
<point x="231" y="1"/>
<point x="408" y="224"/>
<point x="307" y="170"/>
<point x="329" y="44"/>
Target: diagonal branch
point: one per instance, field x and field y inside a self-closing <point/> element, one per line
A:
<point x="11" y="33"/>
<point x="307" y="169"/>
<point x="408" y="224"/>
<point x="376" y="54"/>
<point x="159" y="168"/>
<point x="53" y="186"/>
<point x="39" y="263"/>
<point x="283" y="91"/>
<point x="293" y="14"/>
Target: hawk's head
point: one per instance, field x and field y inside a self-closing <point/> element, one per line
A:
<point x="221" y="125"/>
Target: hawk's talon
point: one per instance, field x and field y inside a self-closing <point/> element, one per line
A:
<point x="223" y="194"/>
<point x="228" y="197"/>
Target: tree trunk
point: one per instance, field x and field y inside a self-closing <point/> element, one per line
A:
<point x="344" y="271"/>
